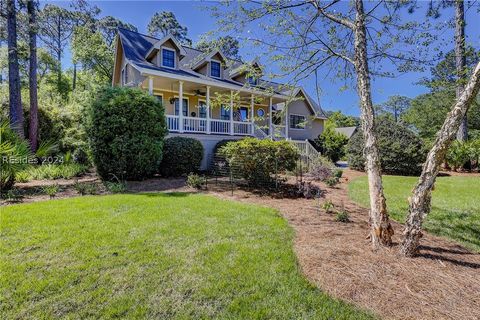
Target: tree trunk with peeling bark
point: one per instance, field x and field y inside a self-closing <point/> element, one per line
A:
<point x="420" y="200"/>
<point x="460" y="61"/>
<point x="381" y="229"/>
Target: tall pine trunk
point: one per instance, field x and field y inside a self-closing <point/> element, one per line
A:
<point x="381" y="230"/>
<point x="421" y="198"/>
<point x="32" y="75"/>
<point x="460" y="62"/>
<point x="14" y="89"/>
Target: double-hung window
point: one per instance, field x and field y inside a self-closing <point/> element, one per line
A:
<point x="168" y="58"/>
<point x="202" y="109"/>
<point x="252" y="80"/>
<point x="297" y="121"/>
<point x="215" y="69"/>
<point x="224" y="113"/>
<point x="185" y="107"/>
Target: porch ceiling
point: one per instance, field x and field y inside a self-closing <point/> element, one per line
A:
<point x="172" y="85"/>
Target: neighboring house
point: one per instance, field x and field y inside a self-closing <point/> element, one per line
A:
<point x="187" y="81"/>
<point x="347" y="131"/>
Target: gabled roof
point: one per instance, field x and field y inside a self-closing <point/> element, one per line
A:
<point x="347" y="131"/>
<point x="157" y="45"/>
<point x="241" y="68"/>
<point x="204" y="58"/>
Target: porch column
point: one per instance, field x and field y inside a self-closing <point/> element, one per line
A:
<point x="270" y="120"/>
<point x="252" y="110"/>
<point x="287" y="119"/>
<point x="150" y="85"/>
<point x="208" y="110"/>
<point x="180" y="105"/>
<point x="231" y="112"/>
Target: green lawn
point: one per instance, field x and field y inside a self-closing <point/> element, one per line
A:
<point x="455" y="205"/>
<point x="175" y="256"/>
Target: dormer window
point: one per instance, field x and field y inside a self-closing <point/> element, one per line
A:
<point x="168" y="58"/>
<point x="215" y="69"/>
<point x="252" y="80"/>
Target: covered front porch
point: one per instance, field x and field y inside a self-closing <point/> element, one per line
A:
<point x="207" y="109"/>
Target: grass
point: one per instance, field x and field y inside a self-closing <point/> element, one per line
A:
<point x="51" y="171"/>
<point x="455" y="210"/>
<point x="162" y="256"/>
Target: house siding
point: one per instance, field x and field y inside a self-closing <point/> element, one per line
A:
<point x="313" y="126"/>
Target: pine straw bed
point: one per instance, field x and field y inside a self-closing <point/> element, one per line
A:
<point x="442" y="283"/>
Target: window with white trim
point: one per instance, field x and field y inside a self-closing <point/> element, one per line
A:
<point x="159" y="98"/>
<point x="224" y="113"/>
<point x="202" y="109"/>
<point x="297" y="121"/>
<point x="168" y="58"/>
<point x="185" y="107"/>
<point x="215" y="69"/>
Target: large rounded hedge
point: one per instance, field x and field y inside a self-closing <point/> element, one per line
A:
<point x="126" y="129"/>
<point x="401" y="151"/>
<point x="181" y="156"/>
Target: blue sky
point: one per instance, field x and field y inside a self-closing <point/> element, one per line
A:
<point x="198" y="21"/>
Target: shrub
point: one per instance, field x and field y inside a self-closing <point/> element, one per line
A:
<point x="332" y="143"/>
<point x="331" y="182"/>
<point x="195" y="181"/>
<point x="51" y="190"/>
<point x="13" y="155"/>
<point x="338" y="173"/>
<point x="258" y="159"/>
<point x="12" y="195"/>
<point x="126" y="128"/>
<point x="321" y="169"/>
<point x="181" y="156"/>
<point x="52" y="171"/>
<point x="328" y="206"/>
<point x="84" y="188"/>
<point x="342" y="216"/>
<point x="115" y="187"/>
<point x="461" y="153"/>
<point x="401" y="151"/>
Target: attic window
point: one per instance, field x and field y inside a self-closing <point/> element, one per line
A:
<point x="215" y="69"/>
<point x="252" y="80"/>
<point x="168" y="58"/>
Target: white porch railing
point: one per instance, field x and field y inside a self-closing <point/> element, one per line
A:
<point x="191" y="124"/>
<point x="242" y="128"/>
<point x="279" y="132"/>
<point x="220" y="126"/>
<point x="200" y="125"/>
<point x="173" y="123"/>
<point x="306" y="149"/>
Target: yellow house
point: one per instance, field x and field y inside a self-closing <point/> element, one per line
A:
<point x="211" y="97"/>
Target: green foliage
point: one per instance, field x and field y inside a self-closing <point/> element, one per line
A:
<point x="84" y="188"/>
<point x="328" y="206"/>
<point x="91" y="50"/>
<point x="14" y="155"/>
<point x="195" y="181"/>
<point x="341" y="120"/>
<point x="461" y="153"/>
<point x="164" y="23"/>
<point x="342" y="216"/>
<point x="258" y="159"/>
<point x="228" y="45"/>
<point x="11" y="195"/>
<point x="331" y="143"/>
<point x="331" y="182"/>
<point x="115" y="187"/>
<point x="126" y="128"/>
<point x="395" y="106"/>
<point x="401" y="151"/>
<point x="51" y="190"/>
<point x="338" y="173"/>
<point x="181" y="156"/>
<point x="52" y="172"/>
